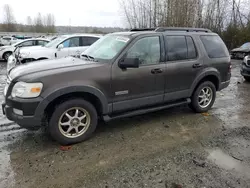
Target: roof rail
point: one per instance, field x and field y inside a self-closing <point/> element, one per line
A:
<point x="143" y="29"/>
<point x="185" y="29"/>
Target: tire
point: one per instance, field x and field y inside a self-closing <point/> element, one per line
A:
<point x="6" y="55"/>
<point x="195" y="99"/>
<point x="59" y="132"/>
<point x="247" y="78"/>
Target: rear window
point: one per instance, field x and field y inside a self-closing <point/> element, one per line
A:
<point x="214" y="46"/>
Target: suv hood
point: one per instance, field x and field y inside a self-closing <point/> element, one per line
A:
<point x="44" y="65"/>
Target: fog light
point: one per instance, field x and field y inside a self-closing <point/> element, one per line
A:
<point x="18" y="112"/>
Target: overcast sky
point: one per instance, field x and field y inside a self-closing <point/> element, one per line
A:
<point x="74" y="12"/>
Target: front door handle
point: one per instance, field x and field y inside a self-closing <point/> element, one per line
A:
<point x="197" y="65"/>
<point x="156" y="71"/>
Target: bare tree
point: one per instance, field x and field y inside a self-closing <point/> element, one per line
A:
<point x="29" y="21"/>
<point x="38" y="23"/>
<point x="9" y="19"/>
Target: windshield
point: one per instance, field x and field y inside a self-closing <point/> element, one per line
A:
<point x="246" y="45"/>
<point x="107" y="47"/>
<point x="55" y="42"/>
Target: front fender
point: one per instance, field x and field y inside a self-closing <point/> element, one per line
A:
<point x="204" y="73"/>
<point x="51" y="96"/>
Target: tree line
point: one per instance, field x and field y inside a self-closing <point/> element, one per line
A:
<point x="229" y="18"/>
<point x="40" y="23"/>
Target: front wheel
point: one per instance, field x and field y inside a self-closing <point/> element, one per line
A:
<point x="203" y="97"/>
<point x="247" y="78"/>
<point x="73" y="121"/>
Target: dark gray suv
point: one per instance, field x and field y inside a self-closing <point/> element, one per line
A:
<point x="121" y="75"/>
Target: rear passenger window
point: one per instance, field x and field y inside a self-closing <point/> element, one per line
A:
<point x="176" y="48"/>
<point x="192" y="54"/>
<point x="41" y="43"/>
<point x="88" y="41"/>
<point x="214" y="46"/>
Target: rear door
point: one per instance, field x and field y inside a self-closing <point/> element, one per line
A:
<point x="183" y="64"/>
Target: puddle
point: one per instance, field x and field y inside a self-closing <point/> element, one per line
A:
<point x="228" y="163"/>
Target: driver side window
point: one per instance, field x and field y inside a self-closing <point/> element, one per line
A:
<point x="72" y="42"/>
<point x="27" y="43"/>
<point x="147" y="50"/>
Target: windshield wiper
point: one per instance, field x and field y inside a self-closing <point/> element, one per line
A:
<point x="90" y="58"/>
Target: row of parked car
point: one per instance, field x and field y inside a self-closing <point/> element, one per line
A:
<point x="9" y="40"/>
<point x="87" y="78"/>
<point x="35" y="49"/>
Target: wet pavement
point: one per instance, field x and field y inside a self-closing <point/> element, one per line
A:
<point x="170" y="148"/>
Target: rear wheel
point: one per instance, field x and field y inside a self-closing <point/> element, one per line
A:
<point x="247" y="78"/>
<point x="73" y="121"/>
<point x="203" y="97"/>
<point x="6" y="55"/>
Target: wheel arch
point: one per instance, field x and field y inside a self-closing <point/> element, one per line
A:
<point x="91" y="94"/>
<point x="211" y="75"/>
<point x="42" y="58"/>
<point x="5" y="53"/>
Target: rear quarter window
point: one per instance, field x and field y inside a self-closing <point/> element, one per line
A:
<point x="214" y="46"/>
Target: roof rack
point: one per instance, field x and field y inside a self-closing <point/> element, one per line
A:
<point x="185" y="29"/>
<point x="143" y="29"/>
<point x="164" y="29"/>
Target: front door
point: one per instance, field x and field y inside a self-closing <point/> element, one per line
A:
<point x="70" y="47"/>
<point x="138" y="87"/>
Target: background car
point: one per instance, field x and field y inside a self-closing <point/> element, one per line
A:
<point x="62" y="46"/>
<point x="241" y="52"/>
<point x="8" y="40"/>
<point x="6" y="51"/>
<point x="21" y="37"/>
<point x="245" y="68"/>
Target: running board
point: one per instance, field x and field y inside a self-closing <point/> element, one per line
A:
<point x="107" y="118"/>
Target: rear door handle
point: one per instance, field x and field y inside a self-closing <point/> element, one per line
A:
<point x="156" y="71"/>
<point x="197" y="65"/>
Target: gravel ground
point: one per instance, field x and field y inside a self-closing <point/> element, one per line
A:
<point x="173" y="148"/>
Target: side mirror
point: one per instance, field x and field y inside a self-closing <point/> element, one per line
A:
<point x="60" y="47"/>
<point x="129" y="63"/>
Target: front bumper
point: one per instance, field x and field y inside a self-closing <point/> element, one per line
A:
<point x="28" y="119"/>
<point x="245" y="71"/>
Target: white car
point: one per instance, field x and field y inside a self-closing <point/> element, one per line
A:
<point x="62" y="46"/>
<point x="7" y="40"/>
<point x="6" y="51"/>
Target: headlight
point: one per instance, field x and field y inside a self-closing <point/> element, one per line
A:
<point x="246" y="58"/>
<point x="26" y="90"/>
<point x="23" y="54"/>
